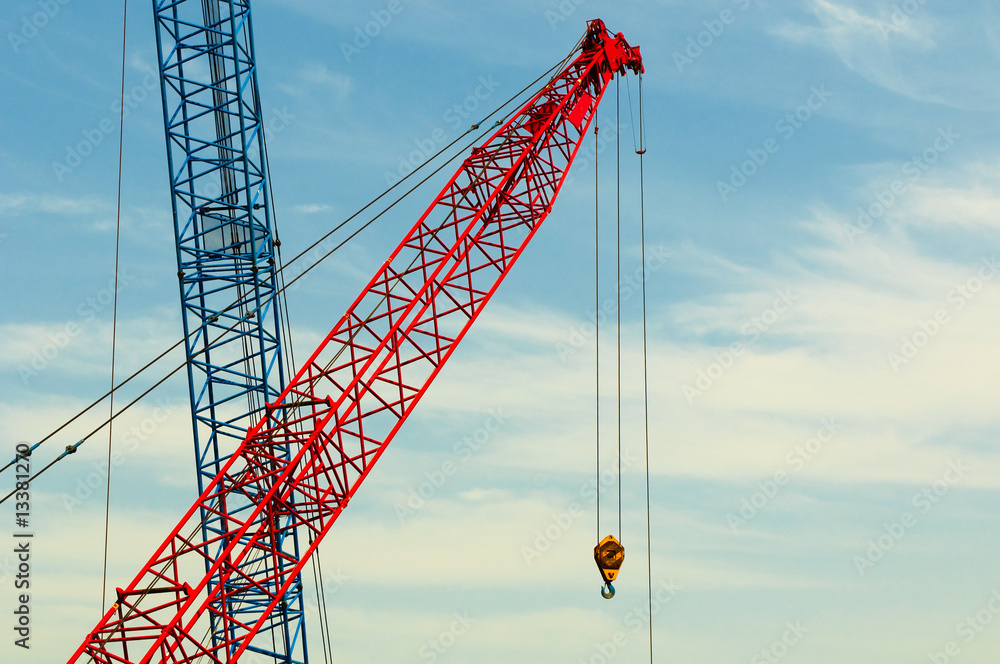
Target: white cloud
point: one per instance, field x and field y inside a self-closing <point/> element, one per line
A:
<point x="901" y="49"/>
<point x="312" y="208"/>
<point x="315" y="77"/>
<point x="13" y="205"/>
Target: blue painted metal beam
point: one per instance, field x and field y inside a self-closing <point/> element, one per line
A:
<point x="226" y="264"/>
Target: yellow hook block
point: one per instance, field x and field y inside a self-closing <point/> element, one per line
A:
<point x="609" y="555"/>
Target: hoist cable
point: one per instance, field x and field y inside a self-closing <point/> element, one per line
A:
<point x="597" y="326"/>
<point x="283" y="315"/>
<point x="641" y="150"/>
<point x="288" y="352"/>
<point x="631" y="113"/>
<point x="114" y="317"/>
<point x="70" y="449"/>
<point x="326" y="612"/>
<point x="320" y="605"/>
<point x="618" y="285"/>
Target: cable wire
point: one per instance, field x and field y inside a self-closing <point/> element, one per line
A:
<point x="641" y="151"/>
<point x="114" y="317"/>
<point x="288" y="351"/>
<point x="326" y="612"/>
<point x="320" y="604"/>
<point x="618" y="284"/>
<point x="597" y="326"/>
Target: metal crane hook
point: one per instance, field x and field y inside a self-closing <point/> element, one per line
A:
<point x="607" y="591"/>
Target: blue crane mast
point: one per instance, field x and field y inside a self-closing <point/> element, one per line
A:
<point x="223" y="222"/>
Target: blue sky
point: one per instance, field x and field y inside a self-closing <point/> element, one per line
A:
<point x="822" y="205"/>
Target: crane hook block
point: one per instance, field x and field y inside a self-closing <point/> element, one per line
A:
<point x="609" y="555"/>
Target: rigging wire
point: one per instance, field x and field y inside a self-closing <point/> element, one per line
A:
<point x="283" y="315"/>
<point x="631" y="112"/>
<point x="640" y="149"/>
<point x="288" y="350"/>
<point x="70" y="449"/>
<point x="114" y="317"/>
<point x="597" y="327"/>
<point x="618" y="285"/>
<point x="320" y="605"/>
<point x="326" y="612"/>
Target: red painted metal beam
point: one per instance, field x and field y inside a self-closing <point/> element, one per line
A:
<point x="350" y="398"/>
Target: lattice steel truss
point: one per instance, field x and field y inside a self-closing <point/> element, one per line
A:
<point x="343" y="407"/>
<point x="226" y="268"/>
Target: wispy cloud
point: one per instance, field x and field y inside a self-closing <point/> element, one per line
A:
<point x="315" y="77"/>
<point x="13" y="205"/>
<point x="313" y="208"/>
<point x="907" y="48"/>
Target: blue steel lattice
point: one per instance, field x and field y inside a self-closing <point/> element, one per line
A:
<point x="226" y="269"/>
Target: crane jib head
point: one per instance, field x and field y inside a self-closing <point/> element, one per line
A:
<point x="620" y="56"/>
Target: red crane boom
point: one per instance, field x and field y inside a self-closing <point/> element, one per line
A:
<point x="340" y="411"/>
